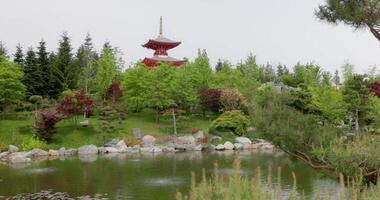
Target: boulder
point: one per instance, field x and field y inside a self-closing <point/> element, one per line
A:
<point x="71" y="152"/>
<point x="185" y="140"/>
<point x="238" y="146"/>
<point x="250" y="146"/>
<point x="53" y="152"/>
<point x="145" y="149"/>
<point x="18" y="157"/>
<point x="61" y="151"/>
<point x="104" y="150"/>
<point x="36" y="153"/>
<point x="268" y="146"/>
<point x="243" y="140"/>
<point x="168" y="149"/>
<point x="88" y="149"/>
<point x="122" y="147"/>
<point x="12" y="149"/>
<point x="4" y="154"/>
<point x="228" y="145"/>
<point x="197" y="147"/>
<point x="112" y="143"/>
<point x="148" y="141"/>
<point x="219" y="147"/>
<point x="155" y="150"/>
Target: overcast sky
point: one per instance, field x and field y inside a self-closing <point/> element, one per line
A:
<point x="276" y="31"/>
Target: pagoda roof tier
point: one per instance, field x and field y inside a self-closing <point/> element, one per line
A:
<point x="161" y="42"/>
<point x="156" y="60"/>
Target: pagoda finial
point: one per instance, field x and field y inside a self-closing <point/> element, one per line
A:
<point x="160" y="25"/>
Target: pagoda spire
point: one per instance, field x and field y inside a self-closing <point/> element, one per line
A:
<point x="161" y="25"/>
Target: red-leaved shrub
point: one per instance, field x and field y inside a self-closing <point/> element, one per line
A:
<point x="46" y="125"/>
<point x="374" y="88"/>
<point x="210" y="98"/>
<point x="81" y="103"/>
<point x="113" y="92"/>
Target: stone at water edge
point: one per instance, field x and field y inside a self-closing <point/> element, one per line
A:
<point x="71" y="152"/>
<point x="238" y="146"/>
<point x="88" y="149"/>
<point x="250" y="146"/>
<point x="219" y="147"/>
<point x="37" y="153"/>
<point x="243" y="140"/>
<point x="12" y="149"/>
<point x="197" y="148"/>
<point x="168" y="149"/>
<point x="185" y="140"/>
<point x="105" y="150"/>
<point x="148" y="141"/>
<point x="53" y="152"/>
<point x="112" y="143"/>
<point x="155" y="150"/>
<point x="4" y="154"/>
<point x="18" y="157"/>
<point x="228" y="145"/>
<point x="61" y="151"/>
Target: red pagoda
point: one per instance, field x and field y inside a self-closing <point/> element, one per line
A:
<point x="161" y="45"/>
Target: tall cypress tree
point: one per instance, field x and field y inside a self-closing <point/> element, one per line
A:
<point x="64" y="64"/>
<point x="19" y="56"/>
<point x="33" y="77"/>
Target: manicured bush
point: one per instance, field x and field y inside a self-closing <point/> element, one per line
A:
<point x="234" y="121"/>
<point x="46" y="125"/>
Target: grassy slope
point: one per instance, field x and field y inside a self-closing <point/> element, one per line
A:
<point x="70" y="134"/>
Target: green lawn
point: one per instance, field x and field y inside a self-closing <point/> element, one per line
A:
<point x="72" y="135"/>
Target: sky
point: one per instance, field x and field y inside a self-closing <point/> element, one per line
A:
<point x="276" y="31"/>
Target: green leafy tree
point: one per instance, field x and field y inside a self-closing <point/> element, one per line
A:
<point x="107" y="71"/>
<point x="3" y="50"/>
<point x="336" y="79"/>
<point x="134" y="86"/>
<point x="161" y="88"/>
<point x="19" y="56"/>
<point x="329" y="102"/>
<point x="360" y="14"/>
<point x="355" y="93"/>
<point x="11" y="88"/>
<point x="86" y="61"/>
<point x="200" y="71"/>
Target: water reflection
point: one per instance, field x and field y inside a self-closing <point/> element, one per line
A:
<point x="152" y="176"/>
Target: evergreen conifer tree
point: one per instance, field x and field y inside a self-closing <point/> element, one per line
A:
<point x="19" y="56"/>
<point x="64" y="64"/>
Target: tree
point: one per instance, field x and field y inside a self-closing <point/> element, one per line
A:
<point x="200" y="71"/>
<point x="232" y="99"/>
<point x="113" y="92"/>
<point x="360" y="14"/>
<point x="19" y="56"/>
<point x="355" y="93"/>
<point x="107" y="71"/>
<point x="78" y="104"/>
<point x="3" y="50"/>
<point x="329" y="103"/>
<point x="11" y="88"/>
<point x="375" y="88"/>
<point x="69" y="73"/>
<point x="336" y="79"/>
<point x="209" y="99"/>
<point x="86" y="61"/>
<point x="33" y="78"/>
<point x="134" y="86"/>
<point x="46" y="126"/>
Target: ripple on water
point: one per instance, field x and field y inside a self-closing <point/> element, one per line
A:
<point x="167" y="181"/>
<point x="39" y="170"/>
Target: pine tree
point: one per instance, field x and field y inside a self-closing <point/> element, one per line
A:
<point x="219" y="66"/>
<point x="19" y="56"/>
<point x="64" y="64"/>
<point x="336" y="79"/>
<point x="33" y="77"/>
<point x="44" y="68"/>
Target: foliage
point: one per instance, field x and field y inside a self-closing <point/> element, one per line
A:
<point x="199" y="71"/>
<point x="85" y="60"/>
<point x="46" y="125"/>
<point x="33" y="77"/>
<point x="32" y="143"/>
<point x="374" y="103"/>
<point x="11" y="88"/>
<point x="19" y="56"/>
<point x="107" y="71"/>
<point x="234" y="121"/>
<point x="232" y="99"/>
<point x="36" y="99"/>
<point x="210" y="99"/>
<point x="301" y="99"/>
<point x="329" y="103"/>
<point x="134" y="87"/>
<point x="108" y="116"/>
<point x="359" y="14"/>
<point x="239" y="187"/>
<point x="355" y="94"/>
<point x="79" y="104"/>
<point x="375" y="88"/>
<point x="113" y="92"/>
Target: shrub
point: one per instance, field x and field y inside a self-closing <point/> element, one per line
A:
<point x="374" y="88"/>
<point x="113" y="92"/>
<point x="232" y="99"/>
<point x="3" y="147"/>
<point x="80" y="103"/>
<point x="234" y="121"/>
<point x="46" y="126"/>
<point x="32" y="143"/>
<point x="209" y="99"/>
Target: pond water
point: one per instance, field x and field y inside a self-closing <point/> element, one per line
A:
<point x="147" y="176"/>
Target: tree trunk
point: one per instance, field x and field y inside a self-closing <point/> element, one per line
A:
<point x="174" y="123"/>
<point x="357" y="120"/>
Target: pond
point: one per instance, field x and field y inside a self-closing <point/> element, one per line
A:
<point x="148" y="176"/>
